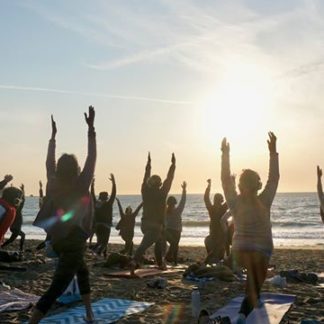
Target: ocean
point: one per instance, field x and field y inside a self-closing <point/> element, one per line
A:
<point x="295" y="219"/>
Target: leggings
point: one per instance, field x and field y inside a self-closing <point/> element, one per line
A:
<point x="14" y="235"/>
<point x="70" y="263"/>
<point x="173" y="237"/>
<point x="256" y="264"/>
<point x="152" y="235"/>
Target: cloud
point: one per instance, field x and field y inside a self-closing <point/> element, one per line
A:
<point x="93" y="94"/>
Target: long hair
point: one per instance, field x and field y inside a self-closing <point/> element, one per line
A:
<point x="67" y="169"/>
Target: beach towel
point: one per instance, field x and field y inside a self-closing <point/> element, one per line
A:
<point x="274" y="308"/>
<point x="105" y="310"/>
<point x="140" y="273"/>
<point x="15" y="299"/>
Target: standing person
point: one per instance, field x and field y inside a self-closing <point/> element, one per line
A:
<point x="154" y="194"/>
<point x="126" y="226"/>
<point x="6" y="179"/>
<point x="173" y="224"/>
<point x="10" y="201"/>
<point x="67" y="216"/>
<point x="15" y="227"/>
<point x="215" y="242"/>
<point x="103" y="216"/>
<point x="320" y="192"/>
<point x="252" y="240"/>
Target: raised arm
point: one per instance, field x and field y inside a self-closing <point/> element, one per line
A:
<point x="207" y="201"/>
<point x="113" y="189"/>
<point x="228" y="180"/>
<point x="87" y="173"/>
<point x="41" y="194"/>
<point x="182" y="202"/>
<point x="271" y="186"/>
<point x="168" y="181"/>
<point x="92" y="191"/>
<point x="320" y="191"/>
<point x="121" y="211"/>
<point x="7" y="178"/>
<point x="147" y="173"/>
<point x="138" y="209"/>
<point x="50" y="160"/>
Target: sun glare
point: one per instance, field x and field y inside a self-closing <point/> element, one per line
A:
<point x="238" y="106"/>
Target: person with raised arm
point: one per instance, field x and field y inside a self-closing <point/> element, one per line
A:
<point x="215" y="242"/>
<point x="6" y="179"/>
<point x="154" y="194"/>
<point x="252" y="240"/>
<point x="126" y="226"/>
<point x="67" y="216"/>
<point x="103" y="216"/>
<point x="15" y="227"/>
<point x="173" y="224"/>
<point x="9" y="203"/>
<point x="320" y="192"/>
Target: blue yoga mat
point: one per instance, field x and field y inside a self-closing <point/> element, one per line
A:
<point x="106" y="310"/>
<point x="274" y="308"/>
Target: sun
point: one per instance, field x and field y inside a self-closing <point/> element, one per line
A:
<point x="238" y="107"/>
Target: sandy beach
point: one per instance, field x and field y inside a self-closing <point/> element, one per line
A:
<point x="172" y="304"/>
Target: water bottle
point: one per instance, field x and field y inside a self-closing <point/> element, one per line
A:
<point x="195" y="302"/>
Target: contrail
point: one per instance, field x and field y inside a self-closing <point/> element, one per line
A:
<point x="94" y="94"/>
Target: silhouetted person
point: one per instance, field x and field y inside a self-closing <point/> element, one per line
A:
<point x="126" y="226"/>
<point x="7" y="178"/>
<point x="10" y="201"/>
<point x="215" y="242"/>
<point x="15" y="227"/>
<point x="320" y="192"/>
<point x="103" y="216"/>
<point x="252" y="240"/>
<point x="173" y="224"/>
<point x="41" y="200"/>
<point x="67" y="216"/>
<point x="154" y="194"/>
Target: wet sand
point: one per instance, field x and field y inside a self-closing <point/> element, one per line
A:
<point x="172" y="304"/>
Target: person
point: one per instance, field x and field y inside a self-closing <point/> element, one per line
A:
<point x="320" y="192"/>
<point x="173" y="224"/>
<point x="6" y="179"/>
<point x="215" y="242"/>
<point x="103" y="216"/>
<point x="228" y="228"/>
<point x="15" y="227"/>
<point x="10" y="201"/>
<point x="126" y="226"/>
<point x="41" y="201"/>
<point x="67" y="216"/>
<point x="252" y="240"/>
<point x="154" y="194"/>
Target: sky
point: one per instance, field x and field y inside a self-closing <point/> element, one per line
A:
<point x="164" y="76"/>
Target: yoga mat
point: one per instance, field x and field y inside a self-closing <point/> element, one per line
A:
<point x="15" y="299"/>
<point x="274" y="308"/>
<point x="139" y="273"/>
<point x="106" y="310"/>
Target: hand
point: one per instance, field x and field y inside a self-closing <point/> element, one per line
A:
<point x="22" y="187"/>
<point x="225" y="146"/>
<point x="8" y="177"/>
<point x="90" y="118"/>
<point x="319" y="172"/>
<point x="54" y="129"/>
<point x="272" y="142"/>
<point x="40" y="185"/>
<point x="149" y="158"/>
<point x="112" y="178"/>
<point x="209" y="182"/>
<point x="173" y="159"/>
<point x="184" y="185"/>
